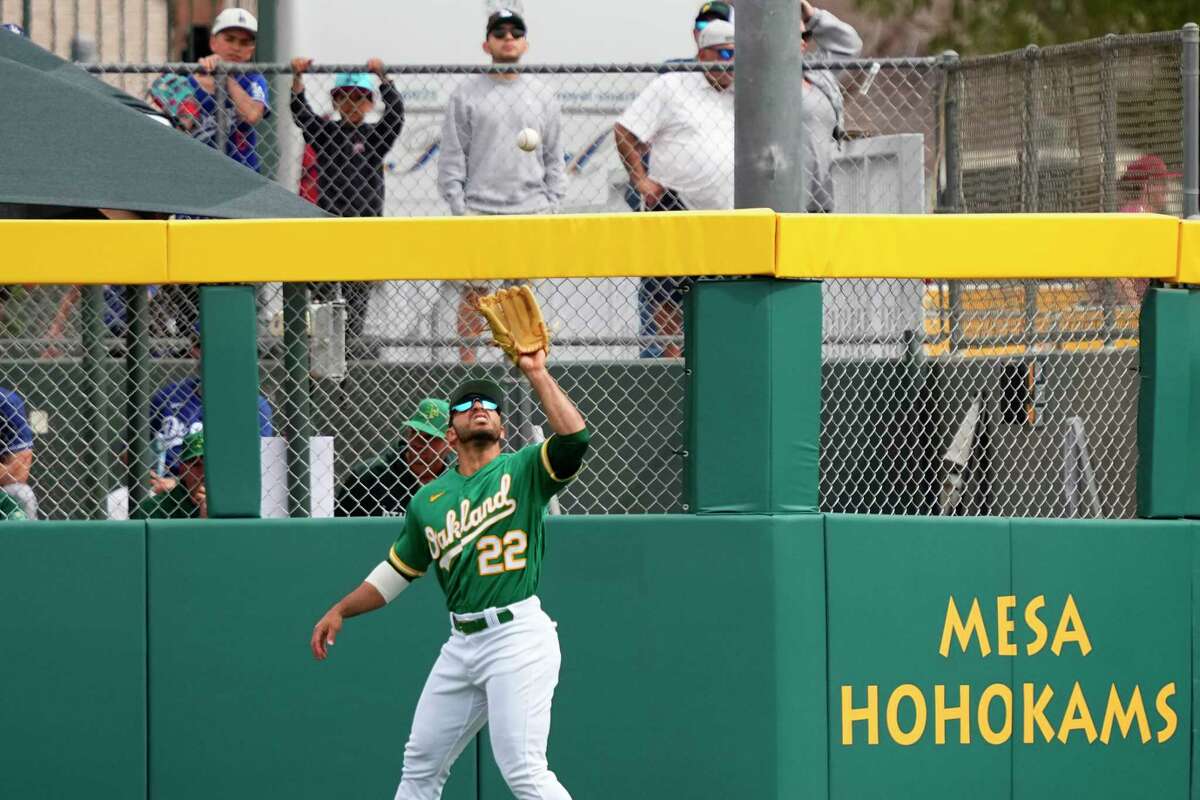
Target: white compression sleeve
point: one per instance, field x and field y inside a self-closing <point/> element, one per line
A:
<point x="387" y="581"/>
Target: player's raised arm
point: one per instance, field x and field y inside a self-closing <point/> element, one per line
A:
<point x="563" y="416"/>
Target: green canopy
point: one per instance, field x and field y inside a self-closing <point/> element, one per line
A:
<point x="74" y="142"/>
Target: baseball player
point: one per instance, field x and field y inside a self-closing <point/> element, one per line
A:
<point x="479" y="528"/>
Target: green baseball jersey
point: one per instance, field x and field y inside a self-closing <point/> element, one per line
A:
<point x="175" y="504"/>
<point x="484" y="535"/>
<point x="10" y="509"/>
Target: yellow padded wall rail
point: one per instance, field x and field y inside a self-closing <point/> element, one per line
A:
<point x="79" y="251"/>
<point x="752" y="242"/>
<point x="977" y="246"/>
<point x="475" y="248"/>
<point x="1189" y="252"/>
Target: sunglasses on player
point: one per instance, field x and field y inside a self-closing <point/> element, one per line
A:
<point x="468" y="402"/>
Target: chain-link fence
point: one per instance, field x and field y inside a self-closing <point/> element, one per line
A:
<point x="1093" y="126"/>
<point x="960" y="397"/>
<point x="1010" y="398"/>
<point x="874" y="148"/>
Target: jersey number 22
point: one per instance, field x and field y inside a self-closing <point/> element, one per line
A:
<point x="496" y="555"/>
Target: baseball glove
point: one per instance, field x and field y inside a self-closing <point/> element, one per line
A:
<point x="516" y="321"/>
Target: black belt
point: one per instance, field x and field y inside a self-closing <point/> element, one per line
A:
<point x="469" y="626"/>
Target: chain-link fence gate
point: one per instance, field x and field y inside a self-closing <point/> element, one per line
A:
<point x="908" y="365"/>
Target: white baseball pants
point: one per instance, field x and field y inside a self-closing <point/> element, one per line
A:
<point x="503" y="676"/>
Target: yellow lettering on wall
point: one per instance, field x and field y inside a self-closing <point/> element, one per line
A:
<point x="985" y="724"/>
<point x="1074" y="633"/>
<point x="1125" y="716"/>
<point x="1040" y="632"/>
<point x="1077" y="717"/>
<point x="1036" y="712"/>
<point x="851" y="715"/>
<point x="900" y="736"/>
<point x="1166" y="712"/>
<point x="1004" y="625"/>
<point x="960" y="712"/>
<point x="954" y="626"/>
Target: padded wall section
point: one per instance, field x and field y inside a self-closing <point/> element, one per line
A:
<point x="239" y="708"/>
<point x="229" y="360"/>
<point x="1131" y="585"/>
<point x="753" y="428"/>
<point x="692" y="657"/>
<point x="73" y="670"/>
<point x="1169" y="404"/>
<point x="890" y="582"/>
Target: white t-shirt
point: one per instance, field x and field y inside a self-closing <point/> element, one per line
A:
<point x="689" y="127"/>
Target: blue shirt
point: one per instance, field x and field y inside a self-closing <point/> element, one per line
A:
<point x="15" y="434"/>
<point x="242" y="143"/>
<point x="176" y="410"/>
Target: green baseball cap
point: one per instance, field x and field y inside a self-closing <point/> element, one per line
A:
<point x="432" y="417"/>
<point x="482" y="387"/>
<point x="353" y="80"/>
<point x="192" y="447"/>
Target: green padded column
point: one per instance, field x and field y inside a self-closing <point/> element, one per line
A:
<point x="754" y="395"/>
<point x="1169" y="404"/>
<point x="229" y="376"/>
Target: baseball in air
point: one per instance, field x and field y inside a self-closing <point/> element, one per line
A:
<point x="528" y="140"/>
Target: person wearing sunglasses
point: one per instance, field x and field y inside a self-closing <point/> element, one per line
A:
<point x="676" y="142"/>
<point x="480" y="528"/>
<point x="481" y="170"/>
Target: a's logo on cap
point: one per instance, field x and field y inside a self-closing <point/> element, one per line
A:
<point x="705" y="7"/>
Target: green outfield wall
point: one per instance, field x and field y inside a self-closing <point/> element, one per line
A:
<point x="703" y="656"/>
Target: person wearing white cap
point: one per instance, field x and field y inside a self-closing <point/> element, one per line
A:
<point x="676" y="142"/>
<point x="233" y="39"/>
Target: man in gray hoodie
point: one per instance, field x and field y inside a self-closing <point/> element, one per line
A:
<point x="824" y="37"/>
<point x="481" y="169"/>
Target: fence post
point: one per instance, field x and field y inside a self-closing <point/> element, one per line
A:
<point x="1191" y="119"/>
<point x="952" y="194"/>
<point x="1108" y="141"/>
<point x="220" y="95"/>
<point x="769" y="144"/>
<point x="297" y="401"/>
<point x="138" y="381"/>
<point x="100" y="420"/>
<point x="1030" y="172"/>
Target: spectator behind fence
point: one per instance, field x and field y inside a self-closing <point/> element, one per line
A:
<point x="1142" y="189"/>
<point x="187" y="499"/>
<point x="682" y="126"/>
<point x="823" y="37"/>
<point x="349" y="159"/>
<point x="233" y="39"/>
<point x="383" y="487"/>
<point x="175" y="411"/>
<point x="481" y="169"/>
<point x="16" y="457"/>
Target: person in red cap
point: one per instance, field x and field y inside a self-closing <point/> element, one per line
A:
<point x="1143" y="187"/>
<point x="1142" y="190"/>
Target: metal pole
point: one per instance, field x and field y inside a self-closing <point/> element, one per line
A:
<point x="220" y="95"/>
<point x="951" y="135"/>
<point x="297" y="403"/>
<point x="140" y="387"/>
<point x="27" y="17"/>
<point x="1108" y="141"/>
<point x="1030" y="199"/>
<point x="1191" y="119"/>
<point x="92" y="323"/>
<point x="769" y="134"/>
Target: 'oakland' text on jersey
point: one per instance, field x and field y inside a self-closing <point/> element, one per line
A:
<point x="484" y="534"/>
